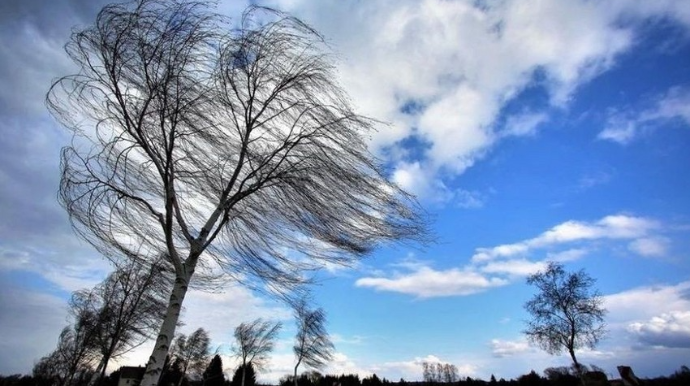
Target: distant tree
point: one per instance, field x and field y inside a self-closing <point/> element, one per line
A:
<point x="372" y="380"/>
<point x="213" y="375"/>
<point x="218" y="147"/>
<point x="435" y="372"/>
<point x="531" y="379"/>
<point x="172" y="372"/>
<point x="192" y="352"/>
<point x="254" y="342"/>
<point x="72" y="361"/>
<point x="313" y="346"/>
<point x="127" y="307"/>
<point x="567" y="313"/>
<point x="450" y="373"/>
<point x="561" y="376"/>
<point x="246" y="374"/>
<point x="492" y="380"/>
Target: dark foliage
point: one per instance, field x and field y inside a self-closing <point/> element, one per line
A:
<point x="213" y="375"/>
<point x="249" y="376"/>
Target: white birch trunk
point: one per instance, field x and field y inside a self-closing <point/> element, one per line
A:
<point x="154" y="367"/>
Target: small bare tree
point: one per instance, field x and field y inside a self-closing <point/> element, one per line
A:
<point x="255" y="341"/>
<point x="566" y="313"/>
<point x="313" y="346"/>
<point x="128" y="307"/>
<point x="192" y="352"/>
<point x="71" y="363"/>
<point x="226" y="150"/>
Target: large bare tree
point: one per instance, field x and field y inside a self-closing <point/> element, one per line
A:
<point x="226" y="150"/>
<point x="254" y="341"/>
<point x="567" y="313"/>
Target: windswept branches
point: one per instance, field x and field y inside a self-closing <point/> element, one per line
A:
<point x="129" y="306"/>
<point x="192" y="352"/>
<point x="226" y="151"/>
<point x="313" y="346"/>
<point x="255" y="341"/>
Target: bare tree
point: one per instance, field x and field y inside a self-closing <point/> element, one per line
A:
<point x="71" y="363"/>
<point x="129" y="305"/>
<point x="313" y="346"/>
<point x="225" y="150"/>
<point x="255" y="341"/>
<point x="192" y="352"/>
<point x="566" y="313"/>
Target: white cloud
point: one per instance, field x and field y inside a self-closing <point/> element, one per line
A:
<point x="503" y="264"/>
<point x="425" y="282"/>
<point x="650" y="246"/>
<point x="624" y="127"/>
<point x="653" y="316"/>
<point x="567" y="255"/>
<point x="519" y="267"/>
<point x="460" y="62"/>
<point x="524" y="124"/>
<point x="507" y="348"/>
<point x="421" y="180"/>
<point x="610" y="227"/>
<point x="667" y="330"/>
<point x="412" y="369"/>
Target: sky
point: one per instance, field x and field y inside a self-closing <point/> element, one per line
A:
<point x="529" y="130"/>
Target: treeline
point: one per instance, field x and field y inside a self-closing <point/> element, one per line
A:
<point x="213" y="375"/>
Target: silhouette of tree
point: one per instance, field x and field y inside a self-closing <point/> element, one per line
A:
<point x="71" y="363"/>
<point x="172" y="372"/>
<point x="192" y="352"/>
<point x="246" y="374"/>
<point x="566" y="313"/>
<point x="128" y="307"/>
<point x="217" y="147"/>
<point x="213" y="375"/>
<point x="531" y="379"/>
<point x="562" y="376"/>
<point x="254" y="341"/>
<point x="313" y="346"/>
<point x="372" y="380"/>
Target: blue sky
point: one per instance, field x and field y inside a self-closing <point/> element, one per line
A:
<point x="529" y="130"/>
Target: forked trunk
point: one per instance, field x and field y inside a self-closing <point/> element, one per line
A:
<point x="154" y="367"/>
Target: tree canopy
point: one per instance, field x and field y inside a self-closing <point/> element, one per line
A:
<point x="228" y="151"/>
<point x="567" y="313"/>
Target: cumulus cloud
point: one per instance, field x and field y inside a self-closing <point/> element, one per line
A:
<point x="412" y="369"/>
<point x="610" y="227"/>
<point x="460" y="63"/>
<point x="425" y="282"/>
<point x="503" y="264"/>
<point x="652" y="316"/>
<point x="507" y="348"/>
<point x="624" y="127"/>
<point x="666" y="330"/>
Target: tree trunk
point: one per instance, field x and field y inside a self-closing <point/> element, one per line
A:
<point x="578" y="367"/>
<point x="99" y="373"/>
<point x="294" y="377"/>
<point x="244" y="372"/>
<point x="154" y="367"/>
